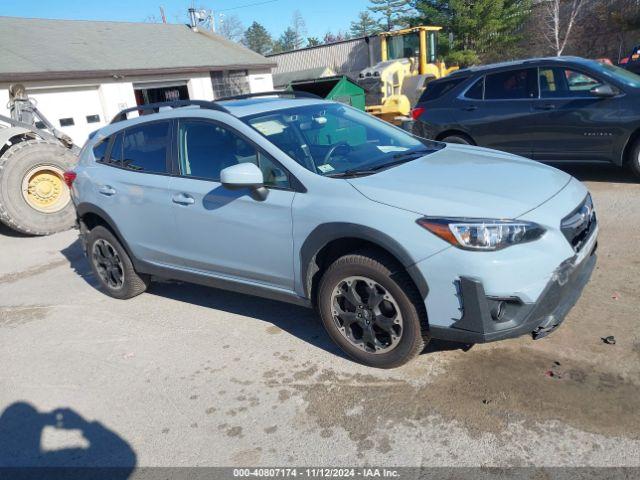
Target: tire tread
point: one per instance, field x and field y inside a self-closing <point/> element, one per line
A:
<point x="5" y="162"/>
<point x="387" y="265"/>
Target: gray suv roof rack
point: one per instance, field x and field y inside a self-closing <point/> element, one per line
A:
<point x="122" y="115"/>
<point x="278" y="93"/>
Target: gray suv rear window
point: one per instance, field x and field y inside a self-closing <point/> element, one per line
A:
<point x="438" y="89"/>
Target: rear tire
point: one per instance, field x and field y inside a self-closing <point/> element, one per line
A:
<point x="397" y="326"/>
<point x="112" y="266"/>
<point x="459" y="139"/>
<point x="33" y="196"/>
<point x="633" y="162"/>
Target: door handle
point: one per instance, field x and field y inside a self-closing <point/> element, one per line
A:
<point x="546" y="106"/>
<point x="470" y="108"/>
<point x="183" y="199"/>
<point x="107" y="191"/>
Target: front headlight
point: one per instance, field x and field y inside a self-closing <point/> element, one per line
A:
<point x="482" y="234"/>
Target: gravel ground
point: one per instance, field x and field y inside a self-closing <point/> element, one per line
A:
<point x="185" y="375"/>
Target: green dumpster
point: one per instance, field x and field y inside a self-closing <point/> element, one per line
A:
<point x="340" y="89"/>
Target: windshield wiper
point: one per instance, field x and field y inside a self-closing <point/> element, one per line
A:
<point x="352" y="173"/>
<point x="399" y="159"/>
<point x="412" y="153"/>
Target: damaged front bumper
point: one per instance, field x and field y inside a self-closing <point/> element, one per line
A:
<point x="488" y="319"/>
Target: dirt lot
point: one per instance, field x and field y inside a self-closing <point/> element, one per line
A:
<point x="185" y="375"/>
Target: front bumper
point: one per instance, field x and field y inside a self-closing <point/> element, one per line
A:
<point x="487" y="319"/>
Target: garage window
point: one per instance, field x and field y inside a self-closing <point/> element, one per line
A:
<point x="66" y="122"/>
<point x="144" y="148"/>
<point x="231" y="83"/>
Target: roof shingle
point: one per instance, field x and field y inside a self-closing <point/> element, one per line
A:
<point x="37" y="48"/>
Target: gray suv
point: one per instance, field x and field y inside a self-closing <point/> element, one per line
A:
<point x="393" y="238"/>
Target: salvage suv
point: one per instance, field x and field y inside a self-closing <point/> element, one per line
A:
<point x="393" y="238"/>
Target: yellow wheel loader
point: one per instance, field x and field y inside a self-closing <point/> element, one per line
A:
<point x="409" y="63"/>
<point x="34" y="198"/>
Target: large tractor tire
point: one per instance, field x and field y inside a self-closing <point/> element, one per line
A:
<point x="34" y="198"/>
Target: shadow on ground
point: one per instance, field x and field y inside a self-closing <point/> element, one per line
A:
<point x="103" y="453"/>
<point x="599" y="173"/>
<point x="300" y="322"/>
<point x="7" y="232"/>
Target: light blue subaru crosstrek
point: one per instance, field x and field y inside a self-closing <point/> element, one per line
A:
<point x="393" y="238"/>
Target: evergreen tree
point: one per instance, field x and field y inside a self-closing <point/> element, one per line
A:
<point x="488" y="29"/>
<point x="434" y="12"/>
<point x="329" y="37"/>
<point x="393" y="13"/>
<point x="257" y="38"/>
<point x="287" y="41"/>
<point x="313" y="42"/>
<point x="364" y="26"/>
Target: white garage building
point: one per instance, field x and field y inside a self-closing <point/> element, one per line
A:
<point x="82" y="73"/>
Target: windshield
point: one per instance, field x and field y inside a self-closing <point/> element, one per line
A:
<point x="336" y="140"/>
<point x="623" y="76"/>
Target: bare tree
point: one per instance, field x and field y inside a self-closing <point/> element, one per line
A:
<point x="299" y="26"/>
<point x="559" y="19"/>
<point x="230" y="27"/>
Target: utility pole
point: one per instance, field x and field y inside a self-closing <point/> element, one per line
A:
<point x="162" y="14"/>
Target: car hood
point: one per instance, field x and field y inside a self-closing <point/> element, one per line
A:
<point x="464" y="181"/>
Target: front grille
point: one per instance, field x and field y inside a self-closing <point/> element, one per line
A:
<point x="578" y="226"/>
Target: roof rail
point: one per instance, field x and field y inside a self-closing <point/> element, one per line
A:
<point x="278" y="93"/>
<point x="122" y="116"/>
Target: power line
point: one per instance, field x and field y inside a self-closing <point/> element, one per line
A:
<point x="248" y="5"/>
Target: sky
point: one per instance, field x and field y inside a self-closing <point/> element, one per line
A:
<point x="319" y="15"/>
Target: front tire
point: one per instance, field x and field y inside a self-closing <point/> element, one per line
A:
<point x="372" y="310"/>
<point x="458" y="139"/>
<point x="112" y="266"/>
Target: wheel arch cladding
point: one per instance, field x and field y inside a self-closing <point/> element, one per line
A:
<point x="455" y="133"/>
<point x="90" y="216"/>
<point x="330" y="241"/>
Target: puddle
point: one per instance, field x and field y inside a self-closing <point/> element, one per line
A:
<point x="483" y="391"/>
<point x="16" y="316"/>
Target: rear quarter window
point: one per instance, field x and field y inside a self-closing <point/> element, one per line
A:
<point x="476" y="92"/>
<point x="100" y="150"/>
<point x="436" y="90"/>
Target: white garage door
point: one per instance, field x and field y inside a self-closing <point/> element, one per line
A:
<point x="75" y="111"/>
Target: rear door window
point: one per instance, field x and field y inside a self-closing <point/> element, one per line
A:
<point x="436" y="90"/>
<point x="144" y="148"/>
<point x="512" y="85"/>
<point x="115" y="156"/>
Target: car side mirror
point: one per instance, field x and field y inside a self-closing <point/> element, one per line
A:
<point x="245" y="175"/>
<point x="603" y="91"/>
